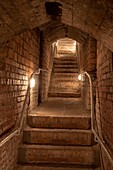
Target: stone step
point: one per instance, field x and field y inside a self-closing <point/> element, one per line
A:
<point x="59" y="122"/>
<point x="63" y="94"/>
<point x="58" y="136"/>
<point x="57" y="154"/>
<point x="59" y="89"/>
<point x="65" y="70"/>
<point x="63" y="75"/>
<point x="57" y="76"/>
<point x="65" y="84"/>
<point x="66" y="80"/>
<point x="38" y="167"/>
<point x="65" y="87"/>
<point x="69" y="62"/>
<point x="66" y="66"/>
<point x="67" y="58"/>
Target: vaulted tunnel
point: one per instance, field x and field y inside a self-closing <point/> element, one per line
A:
<point x="28" y="33"/>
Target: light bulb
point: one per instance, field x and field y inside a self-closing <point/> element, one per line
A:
<point x="32" y="83"/>
<point x="80" y="77"/>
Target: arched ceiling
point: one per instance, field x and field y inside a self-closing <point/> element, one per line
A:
<point x="94" y="17"/>
<point x="55" y="30"/>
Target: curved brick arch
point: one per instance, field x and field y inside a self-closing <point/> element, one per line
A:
<point x="94" y="17"/>
<point x="56" y="30"/>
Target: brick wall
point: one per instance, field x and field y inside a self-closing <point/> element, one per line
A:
<point x="104" y="93"/>
<point x="18" y="59"/>
<point x="46" y="64"/>
<point x="87" y="62"/>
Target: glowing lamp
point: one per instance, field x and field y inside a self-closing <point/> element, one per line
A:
<point x="32" y="83"/>
<point x="81" y="77"/>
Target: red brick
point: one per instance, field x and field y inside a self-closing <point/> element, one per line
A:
<point x="13" y="87"/>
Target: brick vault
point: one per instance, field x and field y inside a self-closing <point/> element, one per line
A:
<point x="29" y="30"/>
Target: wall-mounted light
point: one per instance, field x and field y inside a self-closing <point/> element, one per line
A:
<point x="81" y="77"/>
<point x="32" y="83"/>
<point x="56" y="43"/>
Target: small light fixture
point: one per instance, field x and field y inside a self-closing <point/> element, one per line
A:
<point x="81" y="77"/>
<point x="32" y="83"/>
<point x="56" y="43"/>
<point x="74" y="43"/>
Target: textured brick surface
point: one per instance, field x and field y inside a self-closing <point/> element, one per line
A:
<point x="58" y="136"/>
<point x="16" y="67"/>
<point x="59" y="122"/>
<point x="18" y="58"/>
<point x="50" y="168"/>
<point x="45" y="63"/>
<point x="56" y="154"/>
<point x="58" y="139"/>
<point x="94" y="17"/>
<point x="104" y="101"/>
<point x="87" y="57"/>
<point x="64" y="66"/>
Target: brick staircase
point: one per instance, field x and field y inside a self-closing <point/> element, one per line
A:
<point x="64" y="81"/>
<point x="58" y="142"/>
<point x="58" y="135"/>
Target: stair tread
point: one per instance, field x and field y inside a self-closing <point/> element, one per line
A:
<point x="74" y="91"/>
<point x="69" y="67"/>
<point x="73" y="155"/>
<point x="55" y="147"/>
<point x="63" y="137"/>
<point x="61" y="151"/>
<point x="65" y="71"/>
<point x="65" y="65"/>
<point x="66" y="74"/>
<point x="57" y="130"/>
<point x="39" y="114"/>
<point x="62" y="94"/>
<point x="65" y="59"/>
<point x="29" y="167"/>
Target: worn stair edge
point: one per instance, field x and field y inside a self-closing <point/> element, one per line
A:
<point x="62" y="94"/>
<point x="30" y="167"/>
<point x="58" y="89"/>
<point x="79" y="122"/>
<point x="56" y="154"/>
<point x="66" y="74"/>
<point x="67" y="83"/>
<point x="67" y="89"/>
<point x="66" y="59"/>
<point x="65" y="71"/>
<point x="65" y="66"/>
<point x="58" y="136"/>
<point x="65" y="62"/>
<point x="66" y="80"/>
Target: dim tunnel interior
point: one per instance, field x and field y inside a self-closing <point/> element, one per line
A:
<point x="64" y="121"/>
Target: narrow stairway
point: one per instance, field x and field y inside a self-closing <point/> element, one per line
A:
<point x="64" y="80"/>
<point x="58" y="136"/>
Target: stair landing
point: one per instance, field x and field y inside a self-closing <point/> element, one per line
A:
<point x="62" y="107"/>
<point x="61" y="113"/>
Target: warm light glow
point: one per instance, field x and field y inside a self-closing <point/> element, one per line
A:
<point x="56" y="43"/>
<point x="80" y="77"/>
<point x="74" y="43"/>
<point x="32" y="83"/>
